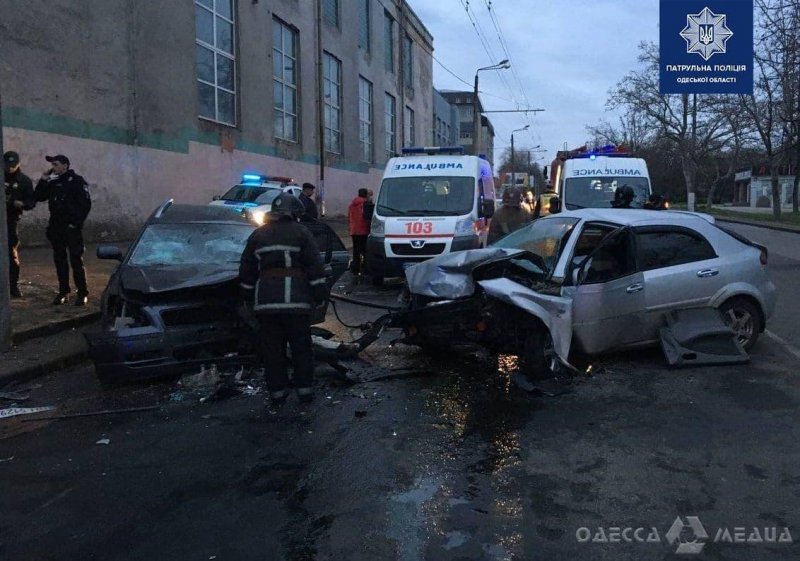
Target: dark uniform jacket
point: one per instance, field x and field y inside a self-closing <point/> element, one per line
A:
<point x="19" y="187"/>
<point x="310" y="208"/>
<point x="281" y="270"/>
<point x="506" y="220"/>
<point x="68" y="198"/>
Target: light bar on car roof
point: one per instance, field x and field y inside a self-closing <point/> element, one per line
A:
<point x="433" y="150"/>
<point x="258" y="179"/>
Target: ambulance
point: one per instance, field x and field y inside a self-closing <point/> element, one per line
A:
<point x="588" y="179"/>
<point x="431" y="200"/>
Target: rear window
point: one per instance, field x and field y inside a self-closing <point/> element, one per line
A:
<point x="656" y="249"/>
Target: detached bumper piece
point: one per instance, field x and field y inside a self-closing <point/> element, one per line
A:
<point x="699" y="336"/>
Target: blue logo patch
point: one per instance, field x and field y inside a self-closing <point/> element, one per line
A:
<point x="706" y="46"/>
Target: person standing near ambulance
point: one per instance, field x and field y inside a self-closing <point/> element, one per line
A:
<point x="19" y="197"/>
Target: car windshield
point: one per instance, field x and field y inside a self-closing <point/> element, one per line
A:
<point x="190" y="244"/>
<point x="268" y="196"/>
<point x="598" y="192"/>
<point x="425" y="196"/>
<point x="247" y="193"/>
<point x="544" y="237"/>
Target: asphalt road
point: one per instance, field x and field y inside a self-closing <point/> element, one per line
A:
<point x="784" y="266"/>
<point x="434" y="459"/>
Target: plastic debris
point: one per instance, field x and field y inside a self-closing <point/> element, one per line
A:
<point x="360" y="414"/>
<point x="104" y="441"/>
<point x="6" y="459"/>
<point x="15" y="396"/>
<point x="14" y="411"/>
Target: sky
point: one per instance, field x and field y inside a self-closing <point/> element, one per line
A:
<point x="566" y="55"/>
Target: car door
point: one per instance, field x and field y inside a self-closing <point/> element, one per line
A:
<point x="681" y="270"/>
<point x="608" y="301"/>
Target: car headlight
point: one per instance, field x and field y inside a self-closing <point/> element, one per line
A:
<point x="465" y="227"/>
<point x="378" y="227"/>
<point x="257" y="216"/>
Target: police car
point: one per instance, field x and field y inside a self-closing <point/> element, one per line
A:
<point x="253" y="197"/>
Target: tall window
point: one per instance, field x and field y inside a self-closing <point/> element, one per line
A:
<point x="330" y="12"/>
<point x="390" y="125"/>
<point x="215" y="64"/>
<point x="409" y="132"/>
<point x="363" y="25"/>
<point x="332" y="89"/>
<point x="284" y="81"/>
<point x="408" y="62"/>
<point x="388" y="42"/>
<point x="365" y="119"/>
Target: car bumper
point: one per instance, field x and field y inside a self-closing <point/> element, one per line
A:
<point x="379" y="264"/>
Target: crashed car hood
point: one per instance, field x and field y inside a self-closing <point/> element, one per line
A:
<point x="449" y="276"/>
<point x="153" y="279"/>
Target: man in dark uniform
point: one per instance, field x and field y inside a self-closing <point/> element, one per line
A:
<point x="623" y="197"/>
<point x="309" y="206"/>
<point x="283" y="276"/>
<point x="19" y="197"/>
<point x="68" y="197"/>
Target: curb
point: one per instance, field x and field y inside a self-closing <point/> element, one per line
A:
<point x="54" y="327"/>
<point x="765" y="225"/>
<point x="43" y="369"/>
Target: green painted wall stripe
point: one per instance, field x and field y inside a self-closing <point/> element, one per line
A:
<point x="31" y="119"/>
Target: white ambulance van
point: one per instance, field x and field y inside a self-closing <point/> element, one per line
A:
<point x="431" y="201"/>
<point x="589" y="180"/>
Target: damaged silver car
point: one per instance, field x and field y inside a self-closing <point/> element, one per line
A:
<point x="592" y="280"/>
<point x="172" y="304"/>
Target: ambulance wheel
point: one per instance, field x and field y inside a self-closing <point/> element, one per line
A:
<point x="377" y="280"/>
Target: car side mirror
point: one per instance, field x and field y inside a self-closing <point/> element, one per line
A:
<point x="487" y="208"/>
<point x="555" y="205"/>
<point x="216" y="198"/>
<point x="109" y="252"/>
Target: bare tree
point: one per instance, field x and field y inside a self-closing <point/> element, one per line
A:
<point x="773" y="105"/>
<point x="633" y="130"/>
<point x="690" y="122"/>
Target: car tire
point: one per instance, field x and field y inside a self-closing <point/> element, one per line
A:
<point x="744" y="317"/>
<point x="377" y="280"/>
<point x="539" y="358"/>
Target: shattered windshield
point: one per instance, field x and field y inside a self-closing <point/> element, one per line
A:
<point x="190" y="244"/>
<point x="424" y="196"/>
<point x="598" y="192"/>
<point x="544" y="237"/>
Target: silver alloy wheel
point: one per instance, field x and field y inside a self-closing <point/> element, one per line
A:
<point x="742" y="322"/>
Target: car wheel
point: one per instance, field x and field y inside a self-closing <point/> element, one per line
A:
<point x="539" y="358"/>
<point x="377" y="280"/>
<point x="744" y="318"/>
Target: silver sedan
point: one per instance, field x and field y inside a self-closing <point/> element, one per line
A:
<point x="625" y="269"/>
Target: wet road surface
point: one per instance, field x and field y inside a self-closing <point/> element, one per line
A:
<point x="436" y="459"/>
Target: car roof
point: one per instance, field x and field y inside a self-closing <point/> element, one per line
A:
<point x="183" y="213"/>
<point x="638" y="217"/>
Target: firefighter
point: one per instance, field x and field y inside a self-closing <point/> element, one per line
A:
<point x="67" y="194"/>
<point x="623" y="197"/>
<point x="19" y="197"/>
<point x="510" y="217"/>
<point x="282" y="275"/>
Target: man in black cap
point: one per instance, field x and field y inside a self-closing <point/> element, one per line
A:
<point x="308" y="202"/>
<point x="19" y="197"/>
<point x="68" y="196"/>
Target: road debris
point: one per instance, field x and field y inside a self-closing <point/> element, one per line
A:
<point x="359" y="414"/>
<point x="104" y="441"/>
<point x="93" y="413"/>
<point x="14" y="411"/>
<point x="15" y="396"/>
<point x="2" y="460"/>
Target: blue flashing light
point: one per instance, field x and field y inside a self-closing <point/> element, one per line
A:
<point x="593" y="156"/>
<point x="252" y="179"/>
<point x="433" y="150"/>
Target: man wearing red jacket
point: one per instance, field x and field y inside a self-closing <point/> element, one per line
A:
<point x="359" y="230"/>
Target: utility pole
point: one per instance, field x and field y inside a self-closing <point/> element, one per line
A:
<point x="513" y="157"/>
<point x="476" y="113"/>
<point x="5" y="297"/>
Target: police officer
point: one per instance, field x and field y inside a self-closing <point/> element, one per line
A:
<point x="310" y="213"/>
<point x="623" y="197"/>
<point x="19" y="197"/>
<point x="510" y="217"/>
<point x="282" y="275"/>
<point x="69" y="201"/>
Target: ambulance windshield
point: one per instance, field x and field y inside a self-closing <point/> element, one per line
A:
<point x="598" y="192"/>
<point x="426" y="196"/>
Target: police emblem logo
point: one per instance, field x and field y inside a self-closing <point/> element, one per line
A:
<point x="706" y="33"/>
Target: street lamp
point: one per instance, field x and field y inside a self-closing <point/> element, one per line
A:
<point x="476" y="118"/>
<point x="513" y="162"/>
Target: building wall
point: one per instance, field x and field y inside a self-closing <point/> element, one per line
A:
<point x="112" y="84"/>
<point x="446" y="129"/>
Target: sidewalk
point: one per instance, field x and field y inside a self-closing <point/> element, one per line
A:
<point x="760" y="217"/>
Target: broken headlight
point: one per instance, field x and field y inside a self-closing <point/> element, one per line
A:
<point x="124" y="314"/>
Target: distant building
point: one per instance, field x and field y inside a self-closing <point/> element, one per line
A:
<point x="753" y="186"/>
<point x="446" y="126"/>
<point x="152" y="100"/>
<point x="463" y="101"/>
